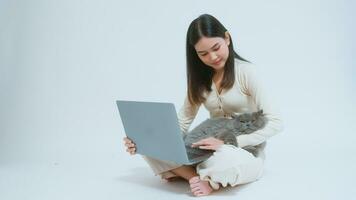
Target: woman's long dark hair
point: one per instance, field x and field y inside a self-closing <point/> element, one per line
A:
<point x="199" y="75"/>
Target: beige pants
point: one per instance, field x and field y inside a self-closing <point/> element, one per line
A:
<point x="229" y="165"/>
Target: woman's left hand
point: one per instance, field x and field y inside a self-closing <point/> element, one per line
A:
<point x="210" y="143"/>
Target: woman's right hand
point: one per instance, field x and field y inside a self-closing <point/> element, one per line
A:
<point x="131" y="147"/>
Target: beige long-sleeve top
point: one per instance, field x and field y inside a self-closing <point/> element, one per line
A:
<point x="246" y="95"/>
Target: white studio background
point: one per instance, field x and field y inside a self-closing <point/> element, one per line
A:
<point x="64" y="63"/>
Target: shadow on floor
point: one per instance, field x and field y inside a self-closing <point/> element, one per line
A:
<point x="144" y="177"/>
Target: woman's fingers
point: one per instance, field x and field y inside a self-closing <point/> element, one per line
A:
<point x="131" y="147"/>
<point x="206" y="141"/>
<point x="130" y="144"/>
<point x="201" y="142"/>
<point x="126" y="139"/>
<point x="209" y="147"/>
<point x="131" y="150"/>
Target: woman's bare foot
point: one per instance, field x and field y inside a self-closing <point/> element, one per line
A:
<point x="199" y="187"/>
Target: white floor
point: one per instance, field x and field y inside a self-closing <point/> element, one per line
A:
<point x="304" y="174"/>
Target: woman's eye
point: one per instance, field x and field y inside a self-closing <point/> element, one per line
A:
<point x="214" y="50"/>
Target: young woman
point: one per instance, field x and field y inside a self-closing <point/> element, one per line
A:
<point x="225" y="83"/>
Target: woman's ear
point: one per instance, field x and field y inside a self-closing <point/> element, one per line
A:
<point x="227" y="38"/>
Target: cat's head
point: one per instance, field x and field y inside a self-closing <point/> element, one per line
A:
<point x="245" y="117"/>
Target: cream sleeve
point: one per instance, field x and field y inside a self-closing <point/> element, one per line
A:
<point x="252" y="85"/>
<point x="186" y="115"/>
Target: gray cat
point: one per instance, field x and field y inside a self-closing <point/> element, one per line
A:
<point x="224" y="129"/>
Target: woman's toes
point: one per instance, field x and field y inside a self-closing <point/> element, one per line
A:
<point x="200" y="187"/>
<point x="205" y="187"/>
<point x="201" y="194"/>
<point x="198" y="193"/>
<point x="194" y="185"/>
<point x="195" y="189"/>
<point x="194" y="179"/>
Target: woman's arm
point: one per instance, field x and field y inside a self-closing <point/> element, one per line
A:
<point x="186" y="115"/>
<point x="252" y="85"/>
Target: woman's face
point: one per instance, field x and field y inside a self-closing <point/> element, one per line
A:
<point x="213" y="51"/>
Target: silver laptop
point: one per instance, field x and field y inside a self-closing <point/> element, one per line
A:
<point x="155" y="130"/>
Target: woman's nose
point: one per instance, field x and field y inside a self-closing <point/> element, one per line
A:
<point x="213" y="56"/>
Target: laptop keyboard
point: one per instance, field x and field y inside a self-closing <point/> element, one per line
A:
<point x="198" y="155"/>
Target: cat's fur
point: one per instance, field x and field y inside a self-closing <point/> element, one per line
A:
<point x="225" y="129"/>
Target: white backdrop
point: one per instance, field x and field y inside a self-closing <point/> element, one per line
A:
<point x="64" y="63"/>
